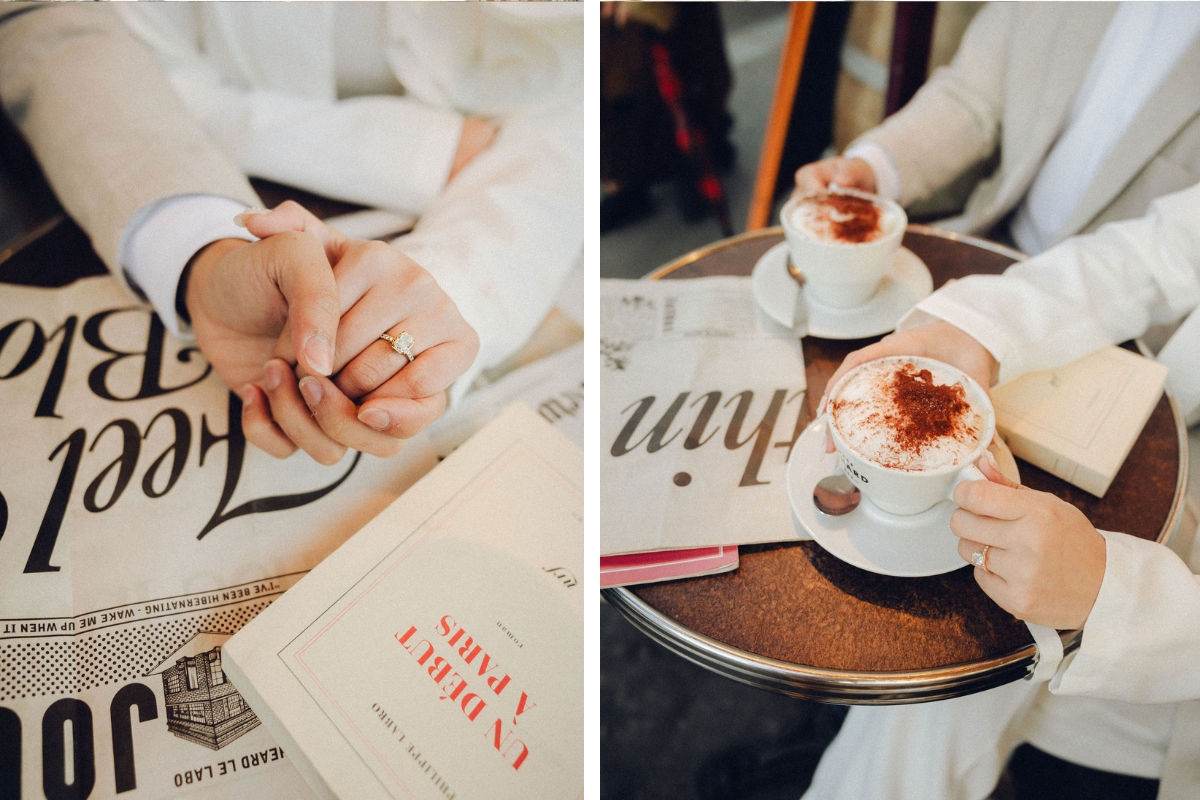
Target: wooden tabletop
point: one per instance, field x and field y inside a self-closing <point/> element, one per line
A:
<point x="794" y="605"/>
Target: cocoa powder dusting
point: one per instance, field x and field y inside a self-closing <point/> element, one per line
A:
<point x="925" y="412"/>
<point x="851" y="219"/>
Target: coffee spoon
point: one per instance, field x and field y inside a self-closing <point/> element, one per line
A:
<point x="800" y="312"/>
<point x="835" y="495"/>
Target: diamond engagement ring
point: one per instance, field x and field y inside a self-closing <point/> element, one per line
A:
<point x="402" y="344"/>
<point x="979" y="558"/>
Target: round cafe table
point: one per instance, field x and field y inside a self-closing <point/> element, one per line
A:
<point x="795" y="619"/>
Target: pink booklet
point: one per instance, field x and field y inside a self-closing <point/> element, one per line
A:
<point x="665" y="565"/>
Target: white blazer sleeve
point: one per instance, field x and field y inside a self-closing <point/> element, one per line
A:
<point x="1088" y="292"/>
<point x="380" y="150"/>
<point x="954" y="120"/>
<point x="504" y="234"/>
<point x="1141" y="643"/>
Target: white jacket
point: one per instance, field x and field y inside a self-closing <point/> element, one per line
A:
<point x="1141" y="643"/>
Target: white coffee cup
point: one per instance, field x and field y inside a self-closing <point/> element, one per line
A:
<point x="842" y="274"/>
<point x="912" y="491"/>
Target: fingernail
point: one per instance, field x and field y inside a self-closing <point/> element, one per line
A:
<point x="310" y="387"/>
<point x="376" y="418"/>
<point x="241" y="218"/>
<point x="320" y="354"/>
<point x="821" y="405"/>
<point x="991" y="459"/>
<point x="274" y="372"/>
<point x="249" y="394"/>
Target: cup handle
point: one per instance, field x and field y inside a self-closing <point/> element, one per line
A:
<point x="970" y="472"/>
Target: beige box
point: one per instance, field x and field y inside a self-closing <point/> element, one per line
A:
<point x="1080" y="421"/>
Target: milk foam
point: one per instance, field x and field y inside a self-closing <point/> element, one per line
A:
<point x="869" y="420"/>
<point x="817" y="220"/>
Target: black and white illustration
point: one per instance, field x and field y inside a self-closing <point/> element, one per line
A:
<point x="203" y="706"/>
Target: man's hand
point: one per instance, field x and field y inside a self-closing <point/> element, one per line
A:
<point x="240" y="295"/>
<point x="848" y="173"/>
<point x="379" y="290"/>
<point x="1045" y="563"/>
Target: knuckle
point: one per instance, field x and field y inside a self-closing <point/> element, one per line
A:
<point x="418" y="382"/>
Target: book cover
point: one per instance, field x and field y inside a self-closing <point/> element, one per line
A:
<point x="1080" y="421"/>
<point x="439" y="652"/>
<point x="666" y="565"/>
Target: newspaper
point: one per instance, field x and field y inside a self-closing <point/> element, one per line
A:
<point x="139" y="531"/>
<point x="703" y="398"/>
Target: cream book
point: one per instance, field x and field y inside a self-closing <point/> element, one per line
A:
<point x="1080" y="421"/>
<point x="439" y="652"/>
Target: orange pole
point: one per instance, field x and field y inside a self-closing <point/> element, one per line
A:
<point x="800" y="18"/>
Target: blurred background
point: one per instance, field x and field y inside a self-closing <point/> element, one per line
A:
<point x="686" y="93"/>
<point x="710" y="70"/>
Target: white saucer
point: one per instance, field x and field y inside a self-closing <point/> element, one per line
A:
<point x="908" y="283"/>
<point x="867" y="537"/>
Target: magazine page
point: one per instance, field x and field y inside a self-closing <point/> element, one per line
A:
<point x="703" y="398"/>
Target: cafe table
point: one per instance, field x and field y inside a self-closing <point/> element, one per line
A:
<point x="796" y="620"/>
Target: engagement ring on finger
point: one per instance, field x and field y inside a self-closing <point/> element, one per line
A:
<point x="979" y="558"/>
<point x="402" y="344"/>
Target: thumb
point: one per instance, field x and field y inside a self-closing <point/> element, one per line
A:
<point x="306" y="281"/>
<point x="291" y="216"/>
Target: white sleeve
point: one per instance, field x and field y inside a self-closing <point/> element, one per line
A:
<point x="887" y="177"/>
<point x="502" y="237"/>
<point x="161" y="239"/>
<point x="1085" y="293"/>
<point x="382" y="151"/>
<point x="1141" y="643"/>
<point x="954" y="120"/>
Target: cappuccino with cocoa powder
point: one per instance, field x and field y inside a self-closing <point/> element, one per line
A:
<point x="841" y="217"/>
<point x="908" y="429"/>
<point x="844" y="242"/>
<point x="909" y="416"/>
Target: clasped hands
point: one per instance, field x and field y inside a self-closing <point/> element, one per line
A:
<point x="292" y="324"/>
<point x="1045" y="561"/>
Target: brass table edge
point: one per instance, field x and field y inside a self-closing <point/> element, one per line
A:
<point x="816" y="683"/>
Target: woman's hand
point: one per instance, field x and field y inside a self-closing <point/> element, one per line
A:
<point x="1045" y="561"/>
<point x="379" y="290"/>
<point x="848" y="173"/>
<point x="937" y="340"/>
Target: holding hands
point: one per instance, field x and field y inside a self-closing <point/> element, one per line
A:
<point x="308" y="295"/>
<point x="1043" y="562"/>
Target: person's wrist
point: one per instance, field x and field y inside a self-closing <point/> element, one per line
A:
<point x="188" y="296"/>
<point x="477" y="135"/>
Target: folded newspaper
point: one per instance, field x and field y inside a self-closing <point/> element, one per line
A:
<point x="703" y="399"/>
<point x="139" y="531"/>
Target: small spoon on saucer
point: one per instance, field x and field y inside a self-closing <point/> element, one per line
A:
<point x="800" y="310"/>
<point x="835" y="495"/>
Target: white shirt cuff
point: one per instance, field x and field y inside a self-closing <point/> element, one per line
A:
<point x="887" y="177"/>
<point x="161" y="239"/>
